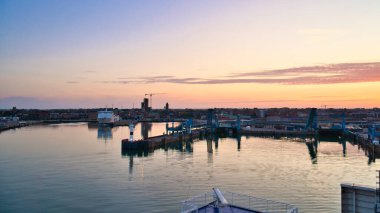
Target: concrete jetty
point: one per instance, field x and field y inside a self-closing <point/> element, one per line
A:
<point x="159" y="141"/>
<point x="277" y="133"/>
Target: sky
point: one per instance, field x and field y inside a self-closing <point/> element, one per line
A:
<point x="196" y="54"/>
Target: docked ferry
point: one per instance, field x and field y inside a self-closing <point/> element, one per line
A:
<point x="107" y="118"/>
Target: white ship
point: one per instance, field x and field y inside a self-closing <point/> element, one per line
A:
<point x="107" y="118"/>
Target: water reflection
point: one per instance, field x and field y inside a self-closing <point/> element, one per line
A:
<point x="213" y="142"/>
<point x="344" y="146"/>
<point x="146" y="128"/>
<point x="186" y="146"/>
<point x="92" y="126"/>
<point x="182" y="146"/>
<point x="132" y="154"/>
<point x="72" y="169"/>
<point x="140" y="153"/>
<point x="370" y="150"/>
<point x="131" y="164"/>
<point x="216" y="140"/>
<point x="105" y="133"/>
<point x="371" y="156"/>
<point x="209" y="145"/>
<point x="312" y="146"/>
<point x="238" y="139"/>
<point x="225" y="134"/>
<point x="189" y="146"/>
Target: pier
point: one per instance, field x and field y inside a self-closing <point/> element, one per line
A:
<point x="278" y="133"/>
<point x="233" y="126"/>
<point x="161" y="141"/>
<point x="15" y="125"/>
<point x="175" y="140"/>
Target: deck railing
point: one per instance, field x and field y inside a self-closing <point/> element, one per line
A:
<point x="255" y="204"/>
<point x="193" y="204"/>
<point x="258" y="204"/>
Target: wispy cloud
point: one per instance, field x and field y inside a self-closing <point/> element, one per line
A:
<point x="255" y="101"/>
<point x="324" y="74"/>
<point x="72" y="82"/>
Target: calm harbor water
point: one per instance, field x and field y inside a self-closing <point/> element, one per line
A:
<point x="79" y="168"/>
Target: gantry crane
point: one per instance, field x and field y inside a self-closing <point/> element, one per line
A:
<point x="151" y="94"/>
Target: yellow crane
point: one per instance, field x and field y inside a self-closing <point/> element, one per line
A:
<point x="151" y="94"/>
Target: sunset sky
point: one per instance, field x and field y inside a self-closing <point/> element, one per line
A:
<point x="200" y="53"/>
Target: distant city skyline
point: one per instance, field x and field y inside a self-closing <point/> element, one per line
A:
<point x="88" y="53"/>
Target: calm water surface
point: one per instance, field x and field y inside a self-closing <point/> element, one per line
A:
<point x="77" y="168"/>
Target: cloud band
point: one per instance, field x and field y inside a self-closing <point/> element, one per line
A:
<point x="326" y="74"/>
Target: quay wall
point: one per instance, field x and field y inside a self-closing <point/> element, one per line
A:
<point x="278" y="133"/>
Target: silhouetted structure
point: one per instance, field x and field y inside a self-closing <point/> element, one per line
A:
<point x="145" y="105"/>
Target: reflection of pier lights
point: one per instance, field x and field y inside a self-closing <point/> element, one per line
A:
<point x="371" y="150"/>
<point x="209" y="145"/>
<point x="180" y="146"/>
<point x="145" y="129"/>
<point x="372" y="156"/>
<point x="131" y="164"/>
<point x="238" y="139"/>
<point x="344" y="146"/>
<point x="312" y="146"/>
<point x="209" y="151"/>
<point x="312" y="153"/>
<point x="189" y="146"/>
<point x="216" y="140"/>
